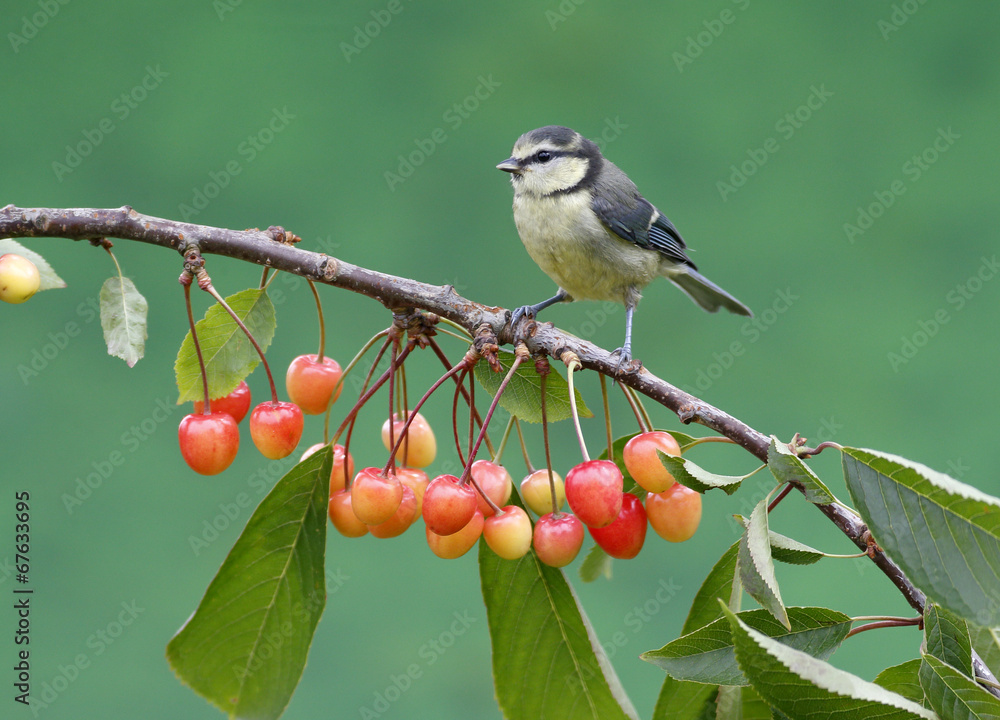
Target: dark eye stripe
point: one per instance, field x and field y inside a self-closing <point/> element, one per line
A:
<point x="553" y="154"/>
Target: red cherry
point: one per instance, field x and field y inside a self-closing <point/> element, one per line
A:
<point x="276" y="428"/>
<point x="675" y="513"/>
<point x="509" y="534"/>
<point x="401" y="520"/>
<point x="342" y="515"/>
<point x="558" y="538"/>
<point x="448" y="505"/>
<point x="375" y="497"/>
<point x="493" y="480"/>
<point x="457" y="544"/>
<point x="624" y="537"/>
<point x="594" y="492"/>
<point x="537" y="494"/>
<point x="236" y="403"/>
<point x="642" y="459"/>
<point x="209" y="442"/>
<point x="311" y="384"/>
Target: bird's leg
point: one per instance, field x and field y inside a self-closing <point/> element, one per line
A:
<point x="533" y="310"/>
<point x="625" y="351"/>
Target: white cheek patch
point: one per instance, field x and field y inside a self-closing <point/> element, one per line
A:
<point x="560" y="174"/>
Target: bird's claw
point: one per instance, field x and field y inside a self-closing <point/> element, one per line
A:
<point x="525" y="311"/>
<point x="624" y="358"/>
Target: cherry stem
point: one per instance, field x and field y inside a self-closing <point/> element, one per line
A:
<point x="709" y="439"/>
<point x="635" y="409"/>
<point x="472" y="416"/>
<point x="642" y="408"/>
<point x="263" y="277"/>
<point x="576" y="416"/>
<point x="545" y="440"/>
<point x="806" y="452"/>
<point x="891" y="622"/>
<point x="322" y="325"/>
<point x="368" y="378"/>
<point x="340" y="383"/>
<point x="781" y="496"/>
<point x="391" y="464"/>
<point x="520" y="437"/>
<point x="206" y="285"/>
<point x="607" y="417"/>
<point x="206" y="409"/>
<point x="462" y="365"/>
<point x="454" y="417"/>
<point x="371" y="391"/>
<point x="444" y="361"/>
<point x="503" y="440"/>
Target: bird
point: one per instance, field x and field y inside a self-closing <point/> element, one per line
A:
<point x="585" y="224"/>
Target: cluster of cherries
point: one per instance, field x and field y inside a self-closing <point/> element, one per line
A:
<point x="210" y="440"/>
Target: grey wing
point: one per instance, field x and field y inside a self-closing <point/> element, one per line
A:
<point x="641" y="223"/>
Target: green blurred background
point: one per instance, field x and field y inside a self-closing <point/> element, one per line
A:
<point x="827" y="110"/>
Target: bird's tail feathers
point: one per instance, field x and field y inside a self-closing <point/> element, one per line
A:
<point x="707" y="294"/>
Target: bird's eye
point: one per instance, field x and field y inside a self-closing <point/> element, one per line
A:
<point x="544" y="156"/>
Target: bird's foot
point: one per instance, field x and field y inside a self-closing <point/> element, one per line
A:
<point x="625" y="360"/>
<point x="525" y="311"/>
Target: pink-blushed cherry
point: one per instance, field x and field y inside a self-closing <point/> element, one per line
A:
<point x="558" y="538"/>
<point x="209" y="442"/>
<point x="457" y="544"/>
<point x="448" y="505"/>
<point x="642" y="459"/>
<point x="493" y="480"/>
<point x="401" y="520"/>
<point x="311" y="383"/>
<point x="375" y="497"/>
<point x="342" y="515"/>
<point x="674" y="513"/>
<point x="19" y="278"/>
<point x="236" y="403"/>
<point x="594" y="492"/>
<point x="623" y="539"/>
<point x="338" y="477"/>
<point x="537" y="494"/>
<point x="509" y="534"/>
<point x="417" y="480"/>
<point x="276" y="428"/>
<point x="419" y="448"/>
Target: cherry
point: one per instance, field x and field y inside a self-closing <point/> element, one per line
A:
<point x="558" y="538"/>
<point x="401" y="520"/>
<point x="448" y="505"/>
<point x="375" y="497"/>
<point x="419" y="448"/>
<point x="675" y="513"/>
<point x="342" y="515"/>
<point x="236" y="403"/>
<point x="311" y="383"/>
<point x="457" y="544"/>
<point x="208" y="442"/>
<point x="594" y="492"/>
<point x="276" y="428"/>
<point x="624" y="537"/>
<point x="19" y="278"/>
<point x="493" y="480"/>
<point x="338" y="479"/>
<point x="417" y="481"/>
<point x="537" y="494"/>
<point x="509" y="534"/>
<point x="642" y="459"/>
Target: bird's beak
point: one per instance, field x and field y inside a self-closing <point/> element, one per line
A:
<point x="511" y="165"/>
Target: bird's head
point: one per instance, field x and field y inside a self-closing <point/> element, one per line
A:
<point x="552" y="160"/>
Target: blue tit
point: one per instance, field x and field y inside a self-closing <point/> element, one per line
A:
<point x="587" y="227"/>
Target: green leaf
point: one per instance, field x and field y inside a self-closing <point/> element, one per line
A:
<point x="719" y="584"/>
<point x="986" y="642"/>
<point x="902" y="679"/>
<point x="954" y="696"/>
<point x="687" y="473"/>
<point x="804" y="687"/>
<point x="706" y="655"/>
<point x="547" y="662"/>
<point x="523" y="394"/>
<point x="48" y="280"/>
<point x="946" y="637"/>
<point x="596" y="564"/>
<point x="229" y="355"/>
<point x="787" y="467"/>
<point x="123" y="317"/>
<point x="685" y="701"/>
<point x="785" y="549"/>
<point x="245" y="647"/>
<point x="756" y="567"/>
<point x="943" y="534"/>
